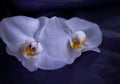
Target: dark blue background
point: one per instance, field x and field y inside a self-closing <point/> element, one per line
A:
<point x="91" y="67"/>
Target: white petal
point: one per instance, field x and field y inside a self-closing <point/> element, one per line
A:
<point x="92" y="31"/>
<point x="52" y="39"/>
<point x="55" y="42"/>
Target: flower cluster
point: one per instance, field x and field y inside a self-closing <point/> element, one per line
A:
<point x="48" y="43"/>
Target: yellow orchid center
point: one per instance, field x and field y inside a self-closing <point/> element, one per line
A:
<point x="76" y="44"/>
<point x="29" y="50"/>
<point x="78" y="40"/>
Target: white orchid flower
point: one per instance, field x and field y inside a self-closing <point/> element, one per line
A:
<point x="48" y="43"/>
<point x="18" y="36"/>
<point x="91" y="31"/>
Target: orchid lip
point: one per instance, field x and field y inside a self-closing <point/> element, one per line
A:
<point x="29" y="51"/>
<point x="78" y="40"/>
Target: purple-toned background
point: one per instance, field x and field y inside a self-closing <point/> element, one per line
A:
<point x="91" y="67"/>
